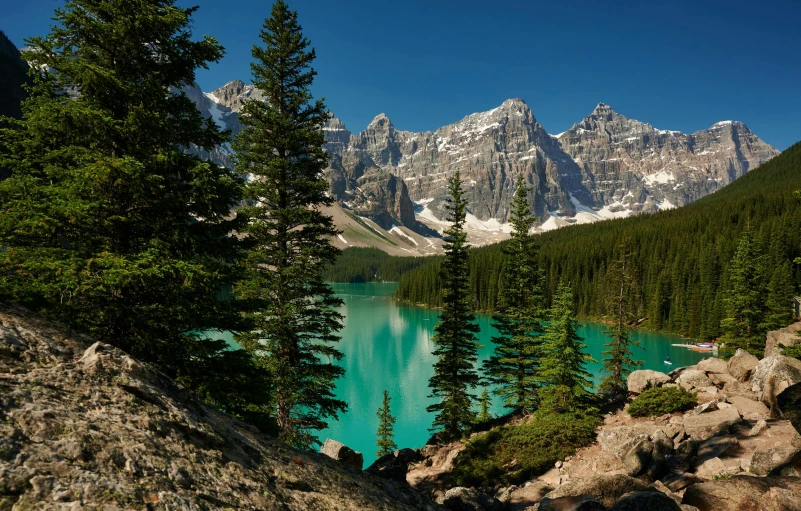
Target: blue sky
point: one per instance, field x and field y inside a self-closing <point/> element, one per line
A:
<point x="677" y="65"/>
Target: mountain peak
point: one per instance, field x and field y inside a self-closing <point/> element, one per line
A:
<point x="602" y="109"/>
<point x="381" y="120"/>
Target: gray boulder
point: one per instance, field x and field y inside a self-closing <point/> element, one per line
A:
<point x="638" y="456"/>
<point x="641" y="380"/>
<point x="715" y="447"/>
<point x="766" y="461"/>
<point x="394" y="465"/>
<point x="781" y="338"/>
<point x="710" y="406"/>
<point x="713" y="365"/>
<point x="576" y="503"/>
<point x="743" y="493"/>
<point x="774" y="374"/>
<point x="707" y="425"/>
<point x="605" y="488"/>
<point x="692" y="379"/>
<point x="789" y="402"/>
<point x="342" y="453"/>
<point x="642" y="500"/>
<point x="612" y="439"/>
<point x="469" y="499"/>
<point x="742" y="365"/>
<point x="748" y="408"/>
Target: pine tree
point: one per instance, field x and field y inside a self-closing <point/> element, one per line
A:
<point x="293" y="312"/>
<point x="109" y="225"/>
<point x="618" y="359"/>
<point x="386" y="433"/>
<point x="780" y="293"/>
<point x="455" y="342"/>
<point x="484" y="408"/>
<point x="513" y="365"/>
<point x="745" y="301"/>
<point x="566" y="383"/>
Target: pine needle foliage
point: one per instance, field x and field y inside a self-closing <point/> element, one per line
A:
<point x="513" y="366"/>
<point x="566" y="384"/>
<point x="107" y="224"/>
<point x="455" y="341"/>
<point x="618" y="359"/>
<point x="484" y="408"/>
<point x="386" y="429"/>
<point x="745" y="302"/>
<point x="292" y="312"/>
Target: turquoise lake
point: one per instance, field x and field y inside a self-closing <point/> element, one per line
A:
<point x="387" y="345"/>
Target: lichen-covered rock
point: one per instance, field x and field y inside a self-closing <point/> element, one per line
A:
<point x="642" y="500"/>
<point x="342" y="453"/>
<point x="85" y="426"/>
<point x="637" y="456"/>
<point x="469" y="499"/>
<point x="644" y="379"/>
<point x="707" y="425"/>
<point x="767" y="461"/>
<point x="611" y="439"/>
<point x="774" y="374"/>
<point x="742" y="365"/>
<point x="606" y="488"/>
<point x="572" y="503"/>
<point x="741" y="493"/>
<point x="692" y="379"/>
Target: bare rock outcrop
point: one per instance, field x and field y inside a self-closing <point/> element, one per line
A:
<point x="781" y="338"/>
<point x="85" y="426"/>
<point x="644" y="379"/>
<point x="744" y="493"/>
<point x="774" y="374"/>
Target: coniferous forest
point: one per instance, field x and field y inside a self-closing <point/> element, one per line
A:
<point x="684" y="259"/>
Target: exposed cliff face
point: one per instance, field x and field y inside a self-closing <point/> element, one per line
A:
<point x="606" y="166"/>
<point x="85" y="426"/>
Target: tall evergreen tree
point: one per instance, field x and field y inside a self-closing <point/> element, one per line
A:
<point x="455" y="342"/>
<point x="292" y="311"/>
<point x="109" y="225"/>
<point x="386" y="430"/>
<point x="618" y="358"/>
<point x="484" y="408"/>
<point x="513" y="365"/>
<point x="566" y="383"/>
<point x="780" y="293"/>
<point x="745" y="302"/>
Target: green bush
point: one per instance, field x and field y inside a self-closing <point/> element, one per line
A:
<point x="513" y="454"/>
<point x="662" y="400"/>
<point x="792" y="351"/>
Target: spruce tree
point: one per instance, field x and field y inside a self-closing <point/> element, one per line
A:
<point x="386" y="431"/>
<point x="455" y="342"/>
<point x="780" y="293"/>
<point x="484" y="408"/>
<point x="108" y="224"/>
<point x="292" y="312"/>
<point x="745" y="301"/>
<point x="618" y="359"/>
<point x="566" y="383"/>
<point x="513" y="365"/>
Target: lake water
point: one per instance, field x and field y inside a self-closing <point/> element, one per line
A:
<point x="387" y="345"/>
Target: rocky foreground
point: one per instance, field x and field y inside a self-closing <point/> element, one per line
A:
<point x="738" y="450"/>
<point x="85" y="426"/>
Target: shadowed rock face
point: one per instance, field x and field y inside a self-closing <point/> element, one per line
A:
<point x="603" y="167"/>
<point x="85" y="426"/>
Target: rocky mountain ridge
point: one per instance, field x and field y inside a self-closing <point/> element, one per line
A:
<point x="605" y="166"/>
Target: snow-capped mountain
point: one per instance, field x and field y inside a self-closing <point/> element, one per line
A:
<point x="606" y="166"/>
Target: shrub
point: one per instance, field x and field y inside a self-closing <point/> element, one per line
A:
<point x="662" y="400"/>
<point x="513" y="454"/>
<point x="792" y="351"/>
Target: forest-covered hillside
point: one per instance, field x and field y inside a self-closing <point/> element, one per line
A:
<point x="683" y="256"/>
<point x="13" y="74"/>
